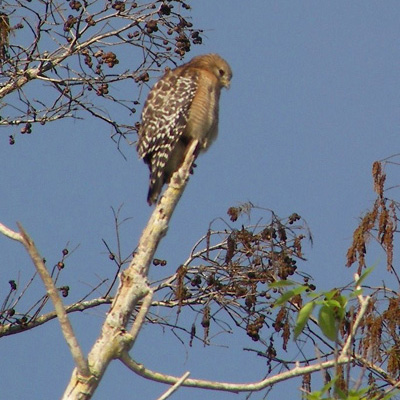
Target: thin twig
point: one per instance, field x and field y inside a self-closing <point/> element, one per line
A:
<point x="11" y="329"/>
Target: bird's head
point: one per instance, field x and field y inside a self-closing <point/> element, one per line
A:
<point x="217" y="65"/>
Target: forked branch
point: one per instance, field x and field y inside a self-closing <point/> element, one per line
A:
<point x="343" y="358"/>
<point x="115" y="339"/>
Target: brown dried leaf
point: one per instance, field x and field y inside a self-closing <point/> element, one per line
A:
<point x="230" y="248"/>
<point x="180" y="291"/>
<point x="360" y="237"/>
<point x="379" y="178"/>
<point x="205" y="322"/>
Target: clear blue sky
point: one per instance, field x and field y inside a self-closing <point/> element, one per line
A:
<point x="314" y="101"/>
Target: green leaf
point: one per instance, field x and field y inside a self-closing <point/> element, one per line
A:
<point x="317" y="395"/>
<point x="284" y="298"/>
<point x="356" y="293"/>
<point x="338" y="306"/>
<point x="363" y="276"/>
<point x="327" y="322"/>
<point x="342" y="300"/>
<point x="289" y="294"/>
<point x="302" y="318"/>
<point x="332" y="294"/>
<point x="356" y="394"/>
<point x="279" y="284"/>
<point x="332" y="303"/>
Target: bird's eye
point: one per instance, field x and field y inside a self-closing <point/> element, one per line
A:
<point x="221" y="72"/>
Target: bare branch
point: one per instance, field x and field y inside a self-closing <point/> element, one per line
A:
<point x="114" y="339"/>
<point x="227" y="386"/>
<point x="175" y="387"/>
<point x="10" y="233"/>
<point x="140" y="317"/>
<point x="364" y="301"/>
<point x="12" y="329"/>
<point x="52" y="291"/>
<point x="256" y="386"/>
<point x="82" y="42"/>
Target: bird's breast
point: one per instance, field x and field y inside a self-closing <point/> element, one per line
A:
<point x="202" y="123"/>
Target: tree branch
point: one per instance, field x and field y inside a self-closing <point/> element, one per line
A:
<point x="10" y="233"/>
<point x="363" y="308"/>
<point x="11" y="329"/>
<point x="343" y="358"/>
<point x="227" y="386"/>
<point x="114" y="339"/>
<point x="175" y="387"/>
<point x="52" y="291"/>
<point x="140" y="317"/>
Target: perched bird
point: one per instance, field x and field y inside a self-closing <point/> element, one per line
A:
<point x="181" y="107"/>
<point x="4" y="34"/>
